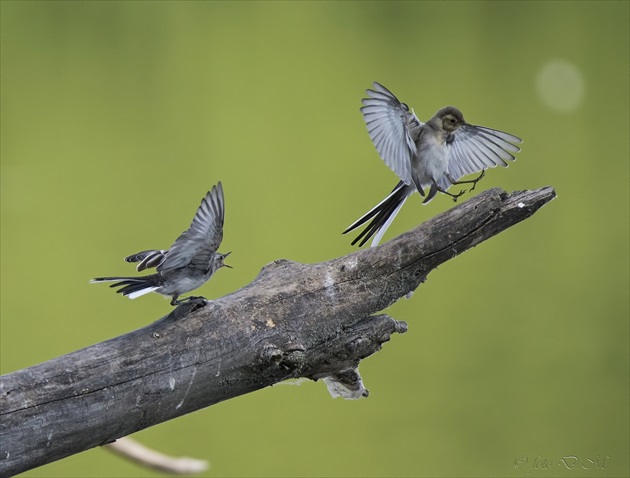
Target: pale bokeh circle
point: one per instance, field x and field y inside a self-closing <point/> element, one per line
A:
<point x="560" y="85"/>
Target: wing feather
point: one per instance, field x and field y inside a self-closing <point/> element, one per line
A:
<point x="475" y="148"/>
<point x="147" y="259"/>
<point x="203" y="237"/>
<point x="392" y="128"/>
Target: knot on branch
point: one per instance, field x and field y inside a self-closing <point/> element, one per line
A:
<point x="291" y="359"/>
<point x="366" y="337"/>
<point x="339" y="369"/>
<point x="333" y="356"/>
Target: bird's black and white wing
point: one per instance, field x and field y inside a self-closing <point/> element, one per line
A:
<point x="203" y="237"/>
<point x="147" y="259"/>
<point x="392" y="128"/>
<point x="472" y="149"/>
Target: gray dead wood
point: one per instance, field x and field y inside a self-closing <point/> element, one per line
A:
<point x="293" y="320"/>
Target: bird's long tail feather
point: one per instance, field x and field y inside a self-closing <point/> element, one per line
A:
<point x="382" y="216"/>
<point x="131" y="286"/>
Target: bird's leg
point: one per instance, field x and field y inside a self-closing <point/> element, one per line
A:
<point x="187" y="299"/>
<point x="468" y="181"/>
<point x="477" y="179"/>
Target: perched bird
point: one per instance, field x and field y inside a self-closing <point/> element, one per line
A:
<point x="432" y="155"/>
<point x="188" y="264"/>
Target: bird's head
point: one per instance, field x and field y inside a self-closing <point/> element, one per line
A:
<point x="450" y="118"/>
<point x="219" y="260"/>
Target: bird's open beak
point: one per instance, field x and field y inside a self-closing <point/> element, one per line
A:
<point x="227" y="265"/>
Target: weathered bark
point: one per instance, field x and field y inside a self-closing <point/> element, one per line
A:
<point x="293" y="320"/>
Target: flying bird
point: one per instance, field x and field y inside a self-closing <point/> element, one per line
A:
<point x="188" y="264"/>
<point x="427" y="157"/>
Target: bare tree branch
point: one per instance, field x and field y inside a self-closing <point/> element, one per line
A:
<point x="294" y="320"/>
<point x="140" y="454"/>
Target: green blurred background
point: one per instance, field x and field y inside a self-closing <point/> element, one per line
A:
<point x="117" y="117"/>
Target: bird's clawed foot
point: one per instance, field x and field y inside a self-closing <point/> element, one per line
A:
<point x="185" y="307"/>
<point x="455" y="196"/>
<point x="201" y="300"/>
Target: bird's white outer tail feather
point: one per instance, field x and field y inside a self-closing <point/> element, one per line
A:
<point x="390" y="219"/>
<point x="139" y="293"/>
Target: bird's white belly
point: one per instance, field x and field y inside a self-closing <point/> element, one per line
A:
<point x="433" y="160"/>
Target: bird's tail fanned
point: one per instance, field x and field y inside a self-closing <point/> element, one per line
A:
<point x="382" y="216"/>
<point x="131" y="287"/>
